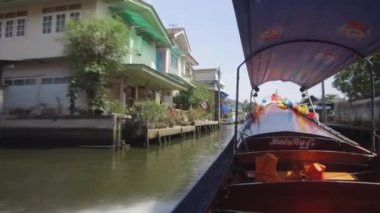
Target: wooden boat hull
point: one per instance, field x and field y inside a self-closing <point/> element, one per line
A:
<point x="318" y="196"/>
<point x="215" y="192"/>
<point x="227" y="186"/>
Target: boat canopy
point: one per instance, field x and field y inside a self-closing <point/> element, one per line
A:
<point x="305" y="42"/>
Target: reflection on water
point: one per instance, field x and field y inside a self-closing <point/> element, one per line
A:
<point x="97" y="180"/>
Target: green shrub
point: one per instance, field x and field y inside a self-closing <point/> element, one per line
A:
<point x="115" y="106"/>
<point x="151" y="111"/>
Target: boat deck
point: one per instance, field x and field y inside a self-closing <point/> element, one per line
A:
<point x="274" y="119"/>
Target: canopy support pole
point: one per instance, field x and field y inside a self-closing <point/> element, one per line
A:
<point x="237" y="105"/>
<point x="373" y="118"/>
<point x="324" y="111"/>
<point x="237" y="102"/>
<point x="312" y="106"/>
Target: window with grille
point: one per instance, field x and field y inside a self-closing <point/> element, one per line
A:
<point x="60" y="23"/>
<point x="20" y="27"/>
<point x="13" y="24"/>
<point x="9" y="29"/>
<point x="54" y="18"/>
<point x="47" y="24"/>
<point x="174" y="61"/>
<point x="74" y="15"/>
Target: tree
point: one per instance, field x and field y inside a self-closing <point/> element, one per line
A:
<point x="354" y="81"/>
<point x="246" y="107"/>
<point x="194" y="97"/>
<point x="95" y="48"/>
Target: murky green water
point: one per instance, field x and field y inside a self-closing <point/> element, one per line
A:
<point x="98" y="180"/>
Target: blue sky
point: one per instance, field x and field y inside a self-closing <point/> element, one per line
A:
<point x="214" y="40"/>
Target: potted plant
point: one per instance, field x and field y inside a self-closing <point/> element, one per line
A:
<point x="152" y="113"/>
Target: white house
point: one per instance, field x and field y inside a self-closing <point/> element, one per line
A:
<point x="34" y="73"/>
<point x="33" y="69"/>
<point x="212" y="78"/>
<point x="181" y="60"/>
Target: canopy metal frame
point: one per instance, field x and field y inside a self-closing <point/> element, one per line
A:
<point x="360" y="55"/>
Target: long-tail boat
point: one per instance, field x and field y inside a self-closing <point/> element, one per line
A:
<point x="280" y="160"/>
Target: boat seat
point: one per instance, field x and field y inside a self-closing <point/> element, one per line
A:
<point x="345" y="176"/>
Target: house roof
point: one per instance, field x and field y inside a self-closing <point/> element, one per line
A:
<point x="173" y="31"/>
<point x="178" y="35"/>
<point x="192" y="59"/>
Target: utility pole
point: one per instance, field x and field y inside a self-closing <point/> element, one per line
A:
<point x="323" y="119"/>
<point x="219" y="95"/>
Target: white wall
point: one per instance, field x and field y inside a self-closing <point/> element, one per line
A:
<point x="35" y="44"/>
<point x="39" y="95"/>
<point x="102" y="10"/>
<point x="205" y="75"/>
<point x="167" y="60"/>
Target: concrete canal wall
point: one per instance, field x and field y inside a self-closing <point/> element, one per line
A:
<point x="62" y="131"/>
<point x="102" y="131"/>
<point x="137" y="133"/>
<point x="356" y="113"/>
<point x="362" y="135"/>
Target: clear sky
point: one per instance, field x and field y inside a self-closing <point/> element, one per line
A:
<point x="215" y="42"/>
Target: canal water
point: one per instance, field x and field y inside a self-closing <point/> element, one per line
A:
<point x="100" y="180"/>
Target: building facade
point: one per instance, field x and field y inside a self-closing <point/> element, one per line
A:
<point x="212" y="78"/>
<point x="35" y="74"/>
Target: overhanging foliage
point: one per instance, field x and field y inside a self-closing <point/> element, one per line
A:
<point x="95" y="48"/>
<point x="354" y="81"/>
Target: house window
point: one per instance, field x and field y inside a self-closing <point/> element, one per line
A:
<point x="47" y="24"/>
<point x="187" y="70"/>
<point x="19" y="82"/>
<point x="174" y="61"/>
<point x="75" y="7"/>
<point x="47" y="80"/>
<point x="8" y="82"/>
<point x="20" y="27"/>
<point x="30" y="81"/>
<point x="74" y="15"/>
<point x="61" y="80"/>
<point x="13" y="24"/>
<point x="9" y="29"/>
<point x="60" y="22"/>
<point x="54" y="18"/>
